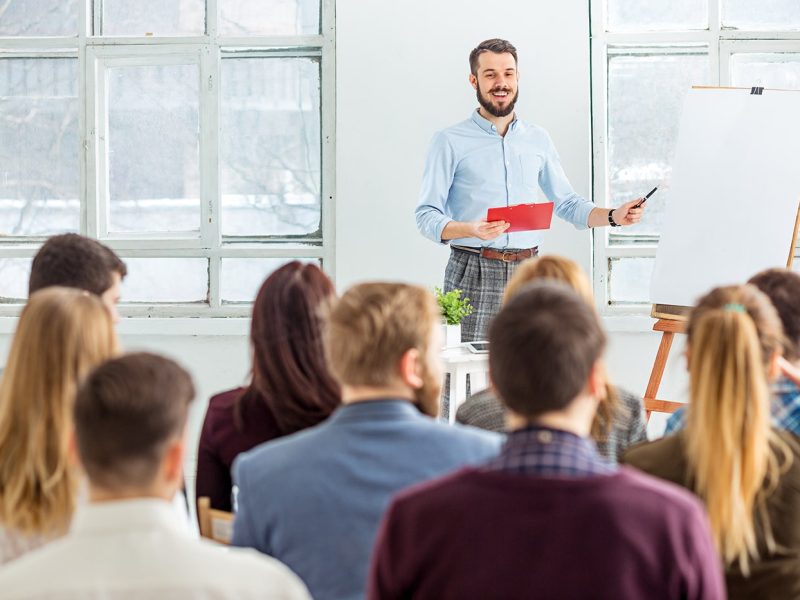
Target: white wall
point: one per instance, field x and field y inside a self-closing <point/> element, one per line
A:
<point x="402" y="70"/>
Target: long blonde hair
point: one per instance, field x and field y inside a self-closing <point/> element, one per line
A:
<point x="558" y="268"/>
<point x="62" y="334"/>
<point x="735" y="458"/>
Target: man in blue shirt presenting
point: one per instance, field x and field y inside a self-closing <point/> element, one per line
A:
<point x="495" y="159"/>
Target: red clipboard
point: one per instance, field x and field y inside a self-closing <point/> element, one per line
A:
<point x="523" y="217"/>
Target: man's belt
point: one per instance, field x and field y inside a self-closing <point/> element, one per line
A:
<point x="509" y="255"/>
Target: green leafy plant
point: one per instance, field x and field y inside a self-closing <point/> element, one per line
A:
<point x="454" y="307"/>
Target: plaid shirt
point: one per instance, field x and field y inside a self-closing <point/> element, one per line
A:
<point x="549" y="452"/>
<point x="785" y="409"/>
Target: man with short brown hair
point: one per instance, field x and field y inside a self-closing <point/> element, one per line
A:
<point x="548" y="518"/>
<point x="314" y="499"/>
<point x="76" y="261"/>
<point x="130" y="421"/>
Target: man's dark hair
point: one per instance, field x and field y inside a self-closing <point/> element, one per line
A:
<point x="782" y="287"/>
<point x="75" y="261"/>
<point x="543" y="345"/>
<point x="126" y="413"/>
<point x="495" y="45"/>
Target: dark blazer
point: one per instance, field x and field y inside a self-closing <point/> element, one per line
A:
<point x="776" y="575"/>
<point x="223" y="438"/>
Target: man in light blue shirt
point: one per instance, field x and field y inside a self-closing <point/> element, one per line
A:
<point x="494" y="159"/>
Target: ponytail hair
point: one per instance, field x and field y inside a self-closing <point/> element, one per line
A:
<point x="735" y="458"/>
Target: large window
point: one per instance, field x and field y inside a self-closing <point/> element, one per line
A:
<point x="645" y="57"/>
<point x="194" y="137"/>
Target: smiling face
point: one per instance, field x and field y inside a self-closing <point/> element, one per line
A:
<point x="496" y="83"/>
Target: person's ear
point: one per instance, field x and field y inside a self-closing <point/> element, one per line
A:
<point x="596" y="385"/>
<point x="774" y="368"/>
<point x="172" y="464"/>
<point x="473" y="81"/>
<point x="411" y="369"/>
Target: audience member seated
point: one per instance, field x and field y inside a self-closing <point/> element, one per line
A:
<point x="550" y="517"/>
<point x="620" y="419"/>
<point x="61" y="335"/>
<point x="290" y="388"/>
<point x="130" y="419"/>
<point x="72" y="260"/>
<point x="314" y="499"/>
<point x="746" y="472"/>
<point x="782" y="287"/>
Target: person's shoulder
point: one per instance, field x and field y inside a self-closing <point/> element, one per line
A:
<point x="483" y="410"/>
<point x="283" y="452"/>
<point x="242" y="565"/>
<point x="654" y="497"/>
<point x="649" y="455"/>
<point x="22" y="576"/>
<point x="222" y="404"/>
<point x="437" y="492"/>
<point x="464" y="435"/>
<point x="534" y="131"/>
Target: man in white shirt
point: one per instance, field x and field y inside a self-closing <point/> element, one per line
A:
<point x="130" y="420"/>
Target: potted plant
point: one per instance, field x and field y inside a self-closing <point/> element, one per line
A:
<point x="454" y="309"/>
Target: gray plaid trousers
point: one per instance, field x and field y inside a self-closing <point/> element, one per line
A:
<point x="483" y="281"/>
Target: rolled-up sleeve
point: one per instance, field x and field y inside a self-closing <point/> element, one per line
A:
<point x="437" y="178"/>
<point x="556" y="187"/>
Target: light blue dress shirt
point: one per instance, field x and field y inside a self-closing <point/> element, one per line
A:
<point x="471" y="168"/>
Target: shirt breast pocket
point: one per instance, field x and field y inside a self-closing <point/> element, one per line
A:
<point x="530" y="165"/>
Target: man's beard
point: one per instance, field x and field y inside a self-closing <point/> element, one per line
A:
<point x="427" y="397"/>
<point x="491" y="108"/>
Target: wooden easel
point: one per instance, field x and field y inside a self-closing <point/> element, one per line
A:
<point x="672" y="320"/>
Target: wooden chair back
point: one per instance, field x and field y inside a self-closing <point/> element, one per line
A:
<point x="216" y="525"/>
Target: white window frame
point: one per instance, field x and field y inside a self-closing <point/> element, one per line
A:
<point x="95" y="54"/>
<point x="721" y="43"/>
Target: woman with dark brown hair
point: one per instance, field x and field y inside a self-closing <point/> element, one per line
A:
<point x="290" y="387"/>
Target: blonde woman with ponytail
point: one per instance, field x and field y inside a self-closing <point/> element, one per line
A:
<point x="620" y="418"/>
<point x="62" y="334"/>
<point x="746" y="472"/>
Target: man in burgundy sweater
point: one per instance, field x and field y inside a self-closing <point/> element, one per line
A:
<point x="548" y="518"/>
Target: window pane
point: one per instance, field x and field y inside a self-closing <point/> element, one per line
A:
<point x="645" y="99"/>
<point x="242" y="277"/>
<point x="160" y="280"/>
<point x="14" y="275"/>
<point x="39" y="169"/>
<point x="123" y="17"/>
<point x="270" y="146"/>
<point x="269" y="17"/>
<point x="38" y="17"/>
<point x="153" y="149"/>
<point x="765" y="14"/>
<point x="780" y="70"/>
<point x="629" y="280"/>
<point x="657" y="14"/>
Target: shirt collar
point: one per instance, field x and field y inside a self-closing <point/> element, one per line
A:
<point x="487" y="125"/>
<point x="547" y="435"/>
<point x="376" y="410"/>
<point x="125" y="515"/>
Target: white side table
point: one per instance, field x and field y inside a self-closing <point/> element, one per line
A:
<point x="459" y="363"/>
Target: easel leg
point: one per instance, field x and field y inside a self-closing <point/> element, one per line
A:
<point x="658" y="370"/>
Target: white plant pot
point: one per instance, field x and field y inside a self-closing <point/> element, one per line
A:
<point x="451" y="335"/>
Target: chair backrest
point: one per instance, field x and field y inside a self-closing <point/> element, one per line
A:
<point x="216" y="525"/>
